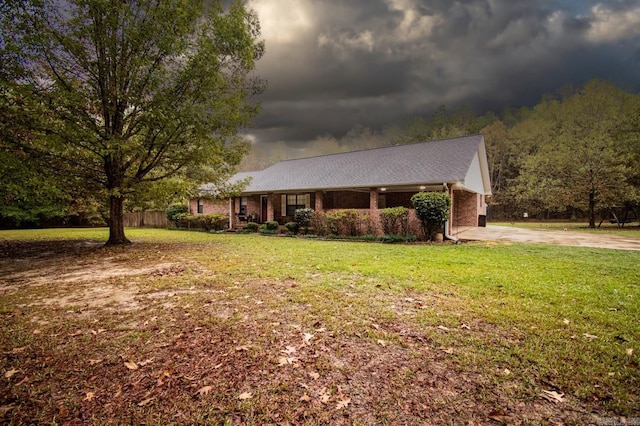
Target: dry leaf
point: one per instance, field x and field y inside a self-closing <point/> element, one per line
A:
<point x="18" y="350"/>
<point x="630" y="352"/>
<point x="242" y="348"/>
<point x="343" y="403"/>
<point x="94" y="361"/>
<point x="382" y="342"/>
<point x="566" y="321"/>
<point x="35" y="332"/>
<point x="145" y="362"/>
<point x="204" y="390"/>
<point x="325" y="397"/>
<point x="89" y="396"/>
<point x="290" y="350"/>
<point x="589" y="336"/>
<point x="307" y="338"/>
<point x="443" y="328"/>
<point x="215" y="367"/>
<point x="10" y="373"/>
<point x="465" y="327"/>
<point x="245" y="395"/>
<point x="552" y="396"/>
<point x="314" y="375"/>
<point x="75" y="333"/>
<point x="499" y="416"/>
<point x="145" y="401"/>
<point x="447" y="350"/>
<point x="305" y="398"/>
<point x="131" y="365"/>
<point x="506" y="371"/>
<point x="286" y="360"/>
<point x="376" y="326"/>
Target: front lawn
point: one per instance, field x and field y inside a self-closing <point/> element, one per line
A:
<point x="192" y="328"/>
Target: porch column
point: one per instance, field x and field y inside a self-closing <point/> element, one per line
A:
<point x="230" y="212"/>
<point x="374" y="213"/>
<point x="319" y="201"/>
<point x="373" y="199"/>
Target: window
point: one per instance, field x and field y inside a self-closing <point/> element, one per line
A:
<point x="243" y="206"/>
<point x="295" y="202"/>
<point x="200" y="206"/>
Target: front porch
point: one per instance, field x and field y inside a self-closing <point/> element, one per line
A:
<point x="466" y="207"/>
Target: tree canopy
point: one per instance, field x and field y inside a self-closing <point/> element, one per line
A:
<point x="124" y="95"/>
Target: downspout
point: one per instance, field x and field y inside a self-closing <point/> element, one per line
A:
<point x="230" y="213"/>
<point x="446" y="223"/>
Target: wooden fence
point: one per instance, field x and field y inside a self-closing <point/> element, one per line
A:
<point x="152" y="219"/>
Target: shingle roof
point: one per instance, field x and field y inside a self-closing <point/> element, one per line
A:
<point x="434" y="162"/>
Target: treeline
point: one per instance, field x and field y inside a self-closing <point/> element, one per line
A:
<point x="575" y="152"/>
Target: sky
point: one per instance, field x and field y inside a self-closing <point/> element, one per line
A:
<point x="333" y="64"/>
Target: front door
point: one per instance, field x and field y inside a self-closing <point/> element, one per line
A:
<point x="263" y="208"/>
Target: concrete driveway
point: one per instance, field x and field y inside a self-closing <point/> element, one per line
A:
<point x="567" y="238"/>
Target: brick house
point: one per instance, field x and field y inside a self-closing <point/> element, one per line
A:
<point x="367" y="181"/>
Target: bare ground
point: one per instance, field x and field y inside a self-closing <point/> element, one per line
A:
<point x="147" y="335"/>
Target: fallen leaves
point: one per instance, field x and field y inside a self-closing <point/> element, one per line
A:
<point x="9" y="374"/>
<point x="245" y="395"/>
<point x="589" y="336"/>
<point x="89" y="396"/>
<point x="343" y="403"/>
<point x="204" y="390"/>
<point x="131" y="365"/>
<point x="552" y="396"/>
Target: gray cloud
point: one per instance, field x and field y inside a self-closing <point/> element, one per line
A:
<point x="331" y="65"/>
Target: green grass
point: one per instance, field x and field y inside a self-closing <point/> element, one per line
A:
<point x="530" y="309"/>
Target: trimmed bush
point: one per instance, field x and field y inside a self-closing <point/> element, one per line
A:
<point x="272" y="225"/>
<point x="292" y="227"/>
<point x="395" y="220"/>
<point x="252" y="226"/>
<point x="432" y="208"/>
<point x="207" y="222"/>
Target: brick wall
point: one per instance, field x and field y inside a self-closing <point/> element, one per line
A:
<point x="210" y="206"/>
<point x="465" y="208"/>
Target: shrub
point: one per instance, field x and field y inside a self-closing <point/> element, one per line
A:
<point x="214" y="222"/>
<point x="320" y="224"/>
<point x="176" y="211"/>
<point x="207" y="222"/>
<point x="395" y="220"/>
<point x="292" y="227"/>
<point x="432" y="208"/>
<point x="252" y="226"/>
<point x="303" y="218"/>
<point x="394" y="238"/>
<point x="272" y="225"/>
<point x="264" y="229"/>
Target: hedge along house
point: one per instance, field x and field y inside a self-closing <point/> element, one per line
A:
<point x="367" y="181"/>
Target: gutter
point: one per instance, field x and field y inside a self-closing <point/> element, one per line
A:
<point x="446" y="223"/>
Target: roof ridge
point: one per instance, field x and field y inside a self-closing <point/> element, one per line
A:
<point x="374" y="149"/>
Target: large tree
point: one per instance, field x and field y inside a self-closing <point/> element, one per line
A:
<point x="121" y="94"/>
<point x="576" y="158"/>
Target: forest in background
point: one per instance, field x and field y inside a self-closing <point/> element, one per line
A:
<point x="575" y="152"/>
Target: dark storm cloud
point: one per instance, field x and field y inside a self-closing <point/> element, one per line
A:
<point x="331" y="65"/>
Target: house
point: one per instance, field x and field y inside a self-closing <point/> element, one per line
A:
<point x="367" y="181"/>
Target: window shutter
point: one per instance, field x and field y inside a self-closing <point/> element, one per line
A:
<point x="284" y="204"/>
<point x="307" y="201"/>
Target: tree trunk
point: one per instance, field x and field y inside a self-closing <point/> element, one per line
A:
<point x="592" y="209"/>
<point x="116" y="222"/>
